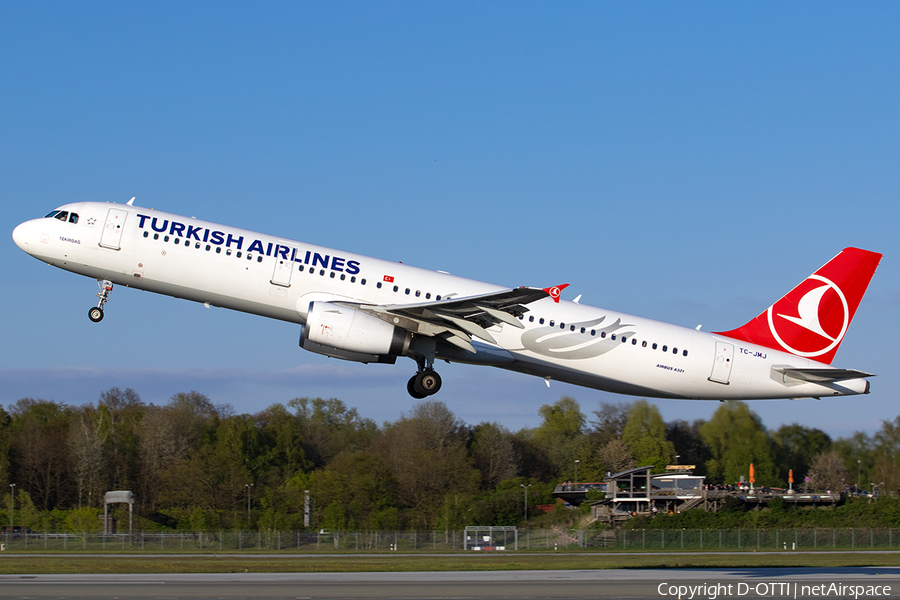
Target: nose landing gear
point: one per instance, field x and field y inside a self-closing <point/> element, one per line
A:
<point x="95" y="314"/>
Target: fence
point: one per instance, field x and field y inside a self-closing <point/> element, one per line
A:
<point x="450" y="541"/>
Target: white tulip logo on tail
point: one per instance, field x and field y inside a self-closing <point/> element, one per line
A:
<point x="808" y="314"/>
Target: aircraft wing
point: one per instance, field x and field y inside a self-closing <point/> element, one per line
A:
<point x="823" y="375"/>
<point x="458" y="320"/>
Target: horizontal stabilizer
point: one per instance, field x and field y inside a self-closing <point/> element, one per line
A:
<point x="822" y="375"/>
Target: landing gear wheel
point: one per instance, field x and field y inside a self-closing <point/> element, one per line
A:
<point x="427" y="382"/>
<point x="95" y="314"/>
<point x="411" y="388"/>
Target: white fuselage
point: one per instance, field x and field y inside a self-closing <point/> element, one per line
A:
<point x="278" y="278"/>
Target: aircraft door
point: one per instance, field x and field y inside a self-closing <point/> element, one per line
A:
<point x="283" y="269"/>
<point x="111" y="237"/>
<point x="721" y="371"/>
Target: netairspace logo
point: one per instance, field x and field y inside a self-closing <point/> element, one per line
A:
<point x="780" y="589"/>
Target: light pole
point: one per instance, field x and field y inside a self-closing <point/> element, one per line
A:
<point x="248" y="486"/>
<point x="576" y="473"/>
<point x="677" y="456"/>
<point x="12" y="503"/>
<point x="526" y="498"/>
<point x="858" y="462"/>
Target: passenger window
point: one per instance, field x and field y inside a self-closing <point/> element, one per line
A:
<point x="684" y="353"/>
<point x="332" y="275"/>
<point x="343" y="277"/>
<point x="218" y="249"/>
<point x="166" y="239"/>
<point x="177" y="241"/>
<point x="552" y="323"/>
<point x="407" y="291"/>
<point x="582" y="330"/>
<point x="322" y="272"/>
<point x="665" y="348"/>
<point x="301" y="268"/>
<point x="633" y="341"/>
<point x="73" y="218"/>
<point x="396" y="288"/>
<point x="197" y="246"/>
<point x="238" y="254"/>
<point x="644" y="344"/>
<point x="353" y="279"/>
<point x="674" y="350"/>
<point x="428" y="295"/>
<point x="613" y="336"/>
<point x="438" y="297"/>
<point x="378" y="285"/>
<point x="593" y="332"/>
<point x="654" y="345"/>
<point x="531" y="319"/>
<point x="541" y="321"/>
<point x="603" y="334"/>
<point x="562" y="325"/>
<point x="418" y="293"/>
<point x="362" y="282"/>
<point x="624" y="339"/>
<point x="146" y="234"/>
<point x="208" y="247"/>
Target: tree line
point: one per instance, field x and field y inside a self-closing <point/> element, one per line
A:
<point x="194" y="465"/>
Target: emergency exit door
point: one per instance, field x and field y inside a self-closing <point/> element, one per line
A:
<point x="721" y="371"/>
<point x="111" y="237"/>
<point x="284" y="267"/>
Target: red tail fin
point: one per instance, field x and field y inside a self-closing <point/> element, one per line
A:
<point x="812" y="319"/>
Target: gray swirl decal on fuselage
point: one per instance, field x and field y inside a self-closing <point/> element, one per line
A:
<point x="568" y="344"/>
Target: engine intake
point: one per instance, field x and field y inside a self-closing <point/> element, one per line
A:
<point x="349" y="334"/>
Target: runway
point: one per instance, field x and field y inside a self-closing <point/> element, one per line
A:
<point x="854" y="582"/>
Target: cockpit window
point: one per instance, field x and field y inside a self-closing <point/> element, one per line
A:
<point x="62" y="215"/>
<point x="73" y="218"/>
<point x="52" y="214"/>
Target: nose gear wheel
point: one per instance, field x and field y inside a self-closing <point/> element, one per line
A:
<point x="95" y="314"/>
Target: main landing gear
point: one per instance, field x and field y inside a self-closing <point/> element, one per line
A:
<point x="426" y="381"/>
<point x="95" y="314"/>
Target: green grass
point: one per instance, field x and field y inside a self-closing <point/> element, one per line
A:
<point x="224" y="563"/>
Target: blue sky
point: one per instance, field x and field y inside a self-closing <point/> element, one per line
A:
<point x="689" y="162"/>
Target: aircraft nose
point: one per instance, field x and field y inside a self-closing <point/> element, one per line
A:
<point x="21" y="235"/>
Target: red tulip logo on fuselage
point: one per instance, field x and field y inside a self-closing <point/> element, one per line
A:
<point x="816" y="306"/>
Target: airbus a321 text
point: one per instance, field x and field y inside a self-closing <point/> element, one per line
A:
<point x="368" y="310"/>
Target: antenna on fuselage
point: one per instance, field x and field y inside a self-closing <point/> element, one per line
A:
<point x="131" y="202"/>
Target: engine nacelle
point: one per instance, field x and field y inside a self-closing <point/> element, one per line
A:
<point x="349" y="334"/>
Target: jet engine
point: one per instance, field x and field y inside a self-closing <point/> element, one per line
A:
<point x="346" y="333"/>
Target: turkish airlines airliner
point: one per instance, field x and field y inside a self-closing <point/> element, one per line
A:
<point x="368" y="310"/>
